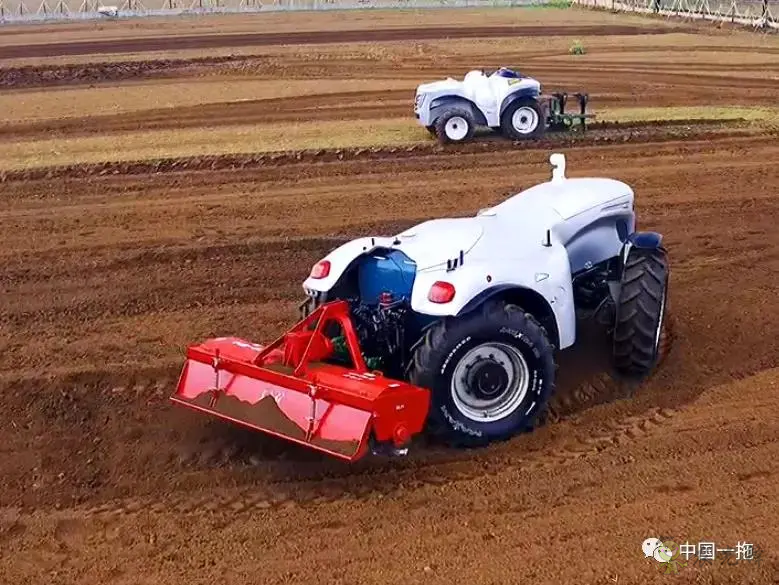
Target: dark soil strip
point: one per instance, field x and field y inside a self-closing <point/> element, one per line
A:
<point x="180" y="43"/>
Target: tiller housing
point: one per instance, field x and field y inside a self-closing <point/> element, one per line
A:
<point x="286" y="389"/>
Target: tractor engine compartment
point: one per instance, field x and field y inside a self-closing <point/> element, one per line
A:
<point x="378" y="289"/>
<point x="381" y="330"/>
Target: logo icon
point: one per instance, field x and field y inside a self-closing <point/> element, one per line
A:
<point x="649" y="546"/>
<point x="666" y="552"/>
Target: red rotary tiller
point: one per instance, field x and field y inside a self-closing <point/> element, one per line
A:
<point x="287" y="390"/>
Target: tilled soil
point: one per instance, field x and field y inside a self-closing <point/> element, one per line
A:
<point x="166" y="43"/>
<point x="109" y="272"/>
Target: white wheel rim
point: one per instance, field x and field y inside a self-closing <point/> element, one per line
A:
<point x="489" y="403"/>
<point x="525" y="120"/>
<point x="456" y="128"/>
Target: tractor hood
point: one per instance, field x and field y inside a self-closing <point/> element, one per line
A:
<point x="433" y="242"/>
<point x="443" y="85"/>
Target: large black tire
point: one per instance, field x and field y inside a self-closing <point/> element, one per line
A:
<point x="449" y="343"/>
<point x="529" y="106"/>
<point x="459" y="116"/>
<point x="641" y="313"/>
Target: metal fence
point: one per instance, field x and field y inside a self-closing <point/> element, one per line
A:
<point x="759" y="14"/>
<point x="763" y="14"/>
<point x="51" y="10"/>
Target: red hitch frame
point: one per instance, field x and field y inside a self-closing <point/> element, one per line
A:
<point x="285" y="389"/>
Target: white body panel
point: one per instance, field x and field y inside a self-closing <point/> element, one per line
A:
<point x="535" y="239"/>
<point x="487" y="92"/>
<point x="551" y="277"/>
<point x="416" y="241"/>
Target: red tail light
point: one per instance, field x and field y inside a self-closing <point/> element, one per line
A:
<point x="321" y="269"/>
<point x="441" y="292"/>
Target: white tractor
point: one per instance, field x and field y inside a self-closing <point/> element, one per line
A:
<point x="504" y="100"/>
<point x="472" y="309"/>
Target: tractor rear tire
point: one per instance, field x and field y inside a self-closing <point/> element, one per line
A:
<point x="490" y="373"/>
<point x="523" y="119"/>
<point x="455" y="125"/>
<point x="641" y="313"/>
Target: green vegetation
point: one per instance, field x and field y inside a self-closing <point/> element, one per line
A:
<point x="577" y="48"/>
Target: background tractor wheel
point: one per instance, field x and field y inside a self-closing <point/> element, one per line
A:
<point x="641" y="313"/>
<point x="455" y="125"/>
<point x="490" y="373"/>
<point x="523" y="119"/>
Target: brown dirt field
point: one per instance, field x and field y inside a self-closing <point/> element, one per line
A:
<point x="109" y="271"/>
<point x="309" y="38"/>
<point x="316" y="22"/>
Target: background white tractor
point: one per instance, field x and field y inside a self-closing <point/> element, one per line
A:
<point x="504" y="100"/>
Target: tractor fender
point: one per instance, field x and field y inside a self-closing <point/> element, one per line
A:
<point x="531" y="301"/>
<point x="642" y="241"/>
<point x="440" y="104"/>
<point x="547" y="293"/>
<point x="645" y="240"/>
<point x="341" y="259"/>
<point x="519" y="94"/>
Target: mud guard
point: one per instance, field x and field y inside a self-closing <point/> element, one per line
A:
<point x="645" y="240"/>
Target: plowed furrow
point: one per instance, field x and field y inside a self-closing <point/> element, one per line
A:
<point x="181" y="42"/>
<point x="632" y="133"/>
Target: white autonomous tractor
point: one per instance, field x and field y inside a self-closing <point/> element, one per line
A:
<point x="470" y="311"/>
<point x="504" y="100"/>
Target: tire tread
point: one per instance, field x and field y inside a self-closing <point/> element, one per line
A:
<point x="422" y="367"/>
<point x="643" y="287"/>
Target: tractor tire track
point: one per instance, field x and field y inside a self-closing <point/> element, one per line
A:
<point x="388" y="483"/>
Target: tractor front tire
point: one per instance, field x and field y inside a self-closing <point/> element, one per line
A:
<point x="523" y="119"/>
<point x="490" y="374"/>
<point x="640" y="313"/>
<point x="455" y="125"/>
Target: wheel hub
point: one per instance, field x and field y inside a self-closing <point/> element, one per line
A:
<point x="525" y="120"/>
<point x="490" y="382"/>
<point x="456" y="128"/>
<point x="486" y="379"/>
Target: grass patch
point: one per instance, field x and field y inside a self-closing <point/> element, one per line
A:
<point x="199" y="141"/>
<point x="577" y="48"/>
<point x="297" y="136"/>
